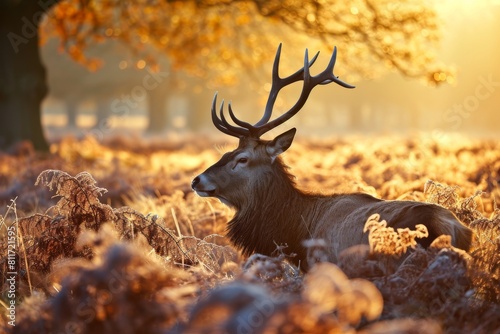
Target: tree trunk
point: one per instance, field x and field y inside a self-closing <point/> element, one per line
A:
<point x="157" y="114"/>
<point x="22" y="74"/>
<point x="103" y="113"/>
<point x="198" y="117"/>
<point x="72" y="113"/>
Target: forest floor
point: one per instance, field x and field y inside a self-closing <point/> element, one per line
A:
<point x="112" y="239"/>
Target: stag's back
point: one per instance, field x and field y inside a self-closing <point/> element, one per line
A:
<point x="342" y="222"/>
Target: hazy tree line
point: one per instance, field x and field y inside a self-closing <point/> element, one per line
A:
<point x="224" y="42"/>
<point x="120" y="89"/>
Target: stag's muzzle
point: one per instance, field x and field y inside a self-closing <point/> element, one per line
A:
<point x="202" y="186"/>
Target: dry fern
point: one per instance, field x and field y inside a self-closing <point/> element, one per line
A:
<point x="121" y="291"/>
<point x="465" y="209"/>
<point x="69" y="247"/>
<point x="52" y="236"/>
<point x="443" y="195"/>
<point x="329" y="303"/>
<point x="79" y="198"/>
<point x="328" y="289"/>
<point x="276" y="272"/>
<point x="385" y="240"/>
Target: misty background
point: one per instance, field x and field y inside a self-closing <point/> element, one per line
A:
<point x="126" y="96"/>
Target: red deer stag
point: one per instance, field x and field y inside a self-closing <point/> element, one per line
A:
<point x="271" y="211"/>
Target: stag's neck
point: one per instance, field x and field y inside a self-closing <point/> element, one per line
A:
<point x="273" y="217"/>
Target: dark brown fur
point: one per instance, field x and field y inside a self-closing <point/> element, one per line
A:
<point x="279" y="213"/>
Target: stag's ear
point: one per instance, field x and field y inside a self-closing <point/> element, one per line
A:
<point x="280" y="144"/>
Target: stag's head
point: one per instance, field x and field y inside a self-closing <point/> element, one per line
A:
<point x="234" y="177"/>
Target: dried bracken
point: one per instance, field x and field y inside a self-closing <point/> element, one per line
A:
<point x="447" y="196"/>
<point x="385" y="240"/>
<point x="329" y="303"/>
<point x="107" y="293"/>
<point x="164" y="248"/>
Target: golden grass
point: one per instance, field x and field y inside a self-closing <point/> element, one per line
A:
<point x="126" y="246"/>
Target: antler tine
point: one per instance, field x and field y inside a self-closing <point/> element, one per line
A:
<point x="307" y="74"/>
<point x="297" y="76"/>
<point x="263" y="125"/>
<point x="238" y="121"/>
<point x="329" y="70"/>
<point x="237" y="131"/>
<point x="278" y="83"/>
<point x="217" y="122"/>
<point x="322" y="78"/>
<point x="306" y="90"/>
<point x="222" y="124"/>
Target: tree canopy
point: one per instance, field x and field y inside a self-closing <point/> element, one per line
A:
<point x="218" y="39"/>
<point x="222" y="37"/>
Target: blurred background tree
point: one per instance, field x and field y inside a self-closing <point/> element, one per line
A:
<point x="220" y="41"/>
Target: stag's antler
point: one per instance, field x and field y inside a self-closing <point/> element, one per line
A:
<point x="264" y="125"/>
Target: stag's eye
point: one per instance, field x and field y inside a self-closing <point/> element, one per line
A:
<point x="240" y="162"/>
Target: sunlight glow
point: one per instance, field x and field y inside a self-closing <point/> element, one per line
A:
<point x="141" y="64"/>
<point x="123" y="65"/>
